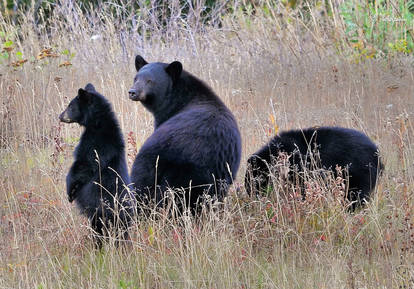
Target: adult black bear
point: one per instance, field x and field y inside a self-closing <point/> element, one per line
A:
<point x="347" y="148"/>
<point x="196" y="144"/>
<point x="98" y="177"/>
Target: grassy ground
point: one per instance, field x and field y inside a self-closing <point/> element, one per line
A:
<point x="272" y="79"/>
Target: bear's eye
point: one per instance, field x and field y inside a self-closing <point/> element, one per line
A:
<point x="149" y="81"/>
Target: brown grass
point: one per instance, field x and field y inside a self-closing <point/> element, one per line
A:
<point x="294" y="76"/>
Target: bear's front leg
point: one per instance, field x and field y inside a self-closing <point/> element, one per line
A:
<point x="72" y="190"/>
<point x="78" y="176"/>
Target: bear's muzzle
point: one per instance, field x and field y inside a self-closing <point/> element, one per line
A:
<point x="64" y="117"/>
<point x="134" y="95"/>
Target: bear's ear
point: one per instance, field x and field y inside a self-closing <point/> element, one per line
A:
<point x="90" y="87"/>
<point x="84" y="96"/>
<point x="174" y="70"/>
<point x="139" y="62"/>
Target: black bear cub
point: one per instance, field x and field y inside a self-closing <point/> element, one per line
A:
<point x="195" y="148"/>
<point x="98" y="177"/>
<point x="348" y="148"/>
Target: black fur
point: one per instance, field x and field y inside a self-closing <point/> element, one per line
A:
<point x="91" y="182"/>
<point x="344" y="147"/>
<point x="196" y="141"/>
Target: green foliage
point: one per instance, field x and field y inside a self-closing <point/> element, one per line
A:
<point x="8" y="44"/>
<point x="68" y="54"/>
<point x="410" y="6"/>
<point x="19" y="55"/>
<point x="382" y="25"/>
<point x="400" y="46"/>
<point x="124" y="285"/>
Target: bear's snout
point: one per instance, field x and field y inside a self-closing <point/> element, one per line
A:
<point x="133" y="94"/>
<point x="136" y="95"/>
<point x="63" y="117"/>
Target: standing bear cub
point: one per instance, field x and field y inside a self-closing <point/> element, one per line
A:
<point x="323" y="147"/>
<point x="98" y="177"/>
<point x="196" y="145"/>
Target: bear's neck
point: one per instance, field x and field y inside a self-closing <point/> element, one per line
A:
<point x="188" y="90"/>
<point x="168" y="110"/>
<point x="105" y="128"/>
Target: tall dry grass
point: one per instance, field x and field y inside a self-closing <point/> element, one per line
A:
<point x="273" y="74"/>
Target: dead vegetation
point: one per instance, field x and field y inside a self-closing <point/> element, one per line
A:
<point x="273" y="74"/>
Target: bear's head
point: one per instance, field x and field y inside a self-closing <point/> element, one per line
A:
<point x="154" y="81"/>
<point x="85" y="107"/>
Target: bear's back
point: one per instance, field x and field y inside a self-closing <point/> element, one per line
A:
<point x="338" y="145"/>
<point x="202" y="134"/>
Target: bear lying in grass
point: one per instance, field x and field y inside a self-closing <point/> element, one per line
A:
<point x="196" y="144"/>
<point x="348" y="148"/>
<point x="98" y="177"/>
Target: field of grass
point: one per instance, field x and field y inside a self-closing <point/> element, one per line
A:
<point x="275" y="72"/>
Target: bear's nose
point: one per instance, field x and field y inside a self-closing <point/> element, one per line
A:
<point x="132" y="93"/>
